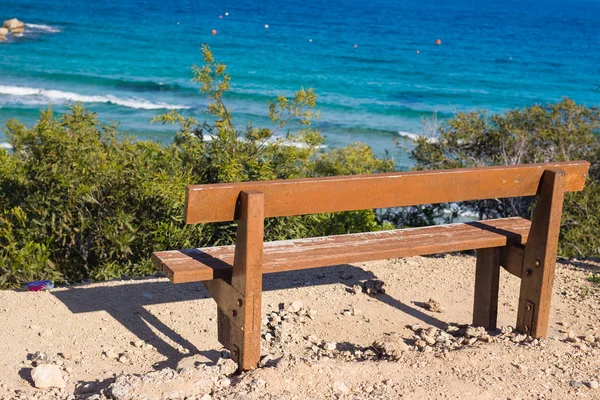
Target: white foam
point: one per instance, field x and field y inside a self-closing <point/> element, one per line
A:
<point x="414" y="137"/>
<point x="45" y="28"/>
<point x="45" y="96"/>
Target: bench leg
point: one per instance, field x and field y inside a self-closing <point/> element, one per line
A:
<point x="243" y="337"/>
<point x="487" y="279"/>
<point x="539" y="260"/>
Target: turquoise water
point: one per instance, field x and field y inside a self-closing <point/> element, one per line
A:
<point x="129" y="60"/>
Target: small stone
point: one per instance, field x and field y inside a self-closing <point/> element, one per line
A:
<point x="268" y="337"/>
<point x="356" y="311"/>
<point x="593" y="385"/>
<point x="330" y="346"/>
<point x="111" y="354"/>
<point x="340" y="387"/>
<point x="475" y="331"/>
<point x="356" y="289"/>
<point x="347" y="313"/>
<point x="47" y="376"/>
<point x="576" y="384"/>
<point x="589" y="338"/>
<point x="66" y="356"/>
<point x="138" y="343"/>
<point x="123" y="359"/>
<point x="572" y="337"/>
<point x="296" y="306"/>
<point x="194" y="361"/>
<point x="206" y="397"/>
<point x="312" y="314"/>
<point x="434" y="306"/>
<point x="224" y="382"/>
<point x="226" y="366"/>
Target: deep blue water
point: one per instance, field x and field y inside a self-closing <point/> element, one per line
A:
<point x="129" y="60"/>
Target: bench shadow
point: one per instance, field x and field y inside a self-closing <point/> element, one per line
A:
<point x="135" y="317"/>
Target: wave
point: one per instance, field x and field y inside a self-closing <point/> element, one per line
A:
<point x="46" y="95"/>
<point x="415" y="136"/>
<point x="45" y="28"/>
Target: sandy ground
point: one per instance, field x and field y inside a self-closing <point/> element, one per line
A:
<point x="97" y="332"/>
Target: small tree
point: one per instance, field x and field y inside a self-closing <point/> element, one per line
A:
<point x="564" y="131"/>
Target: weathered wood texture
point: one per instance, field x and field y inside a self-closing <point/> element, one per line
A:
<point x="487" y="279"/>
<point x="243" y="340"/>
<point x="540" y="257"/>
<point x="217" y="202"/>
<point x="511" y="258"/>
<point x="216" y="262"/>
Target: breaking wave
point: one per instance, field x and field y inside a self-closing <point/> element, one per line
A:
<point x="46" y="96"/>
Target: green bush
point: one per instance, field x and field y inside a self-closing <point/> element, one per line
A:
<point x="564" y="131"/>
<point x="78" y="201"/>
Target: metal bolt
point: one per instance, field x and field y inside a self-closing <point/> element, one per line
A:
<point x="240" y="302"/>
<point x="526" y="329"/>
<point x="528" y="272"/>
<point x="537" y="263"/>
<point x="528" y="308"/>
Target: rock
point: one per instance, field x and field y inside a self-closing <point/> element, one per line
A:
<point x="593" y="385"/>
<point x="330" y="346"/>
<point x="434" y="306"/>
<point x="138" y="343"/>
<point x="589" y="338"/>
<point x="296" y="306"/>
<point x="576" y="384"/>
<point x="3" y="32"/>
<point x="39" y="358"/>
<point x="356" y="289"/>
<point x="226" y="366"/>
<point x="47" y="376"/>
<point x="123" y="359"/>
<point x="373" y="287"/>
<point x="14" y="25"/>
<point x="340" y="387"/>
<point x="572" y="337"/>
<point x="475" y="331"/>
<point x="111" y="354"/>
<point x="194" y="361"/>
<point x="390" y="347"/>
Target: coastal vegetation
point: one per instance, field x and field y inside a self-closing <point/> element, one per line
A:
<point x="79" y="201"/>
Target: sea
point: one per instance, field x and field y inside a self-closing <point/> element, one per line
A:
<point x="382" y="69"/>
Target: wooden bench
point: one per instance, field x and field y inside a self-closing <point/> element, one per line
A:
<point x="233" y="274"/>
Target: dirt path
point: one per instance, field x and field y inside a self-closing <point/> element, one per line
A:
<point x="321" y="347"/>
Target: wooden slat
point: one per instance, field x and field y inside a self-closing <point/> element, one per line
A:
<point x="215" y="262"/>
<point x="217" y="202"/>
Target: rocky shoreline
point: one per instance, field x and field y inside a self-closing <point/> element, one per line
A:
<point x="12" y="27"/>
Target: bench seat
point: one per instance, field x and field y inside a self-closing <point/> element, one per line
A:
<point x="210" y="263"/>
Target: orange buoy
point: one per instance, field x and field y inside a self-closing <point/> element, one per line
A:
<point x="438" y="42"/>
<point x="214" y="31"/>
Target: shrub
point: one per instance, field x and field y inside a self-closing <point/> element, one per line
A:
<point x="77" y="201"/>
<point x="564" y="131"/>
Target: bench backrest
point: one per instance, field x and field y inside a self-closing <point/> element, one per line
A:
<point x="217" y="202"/>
